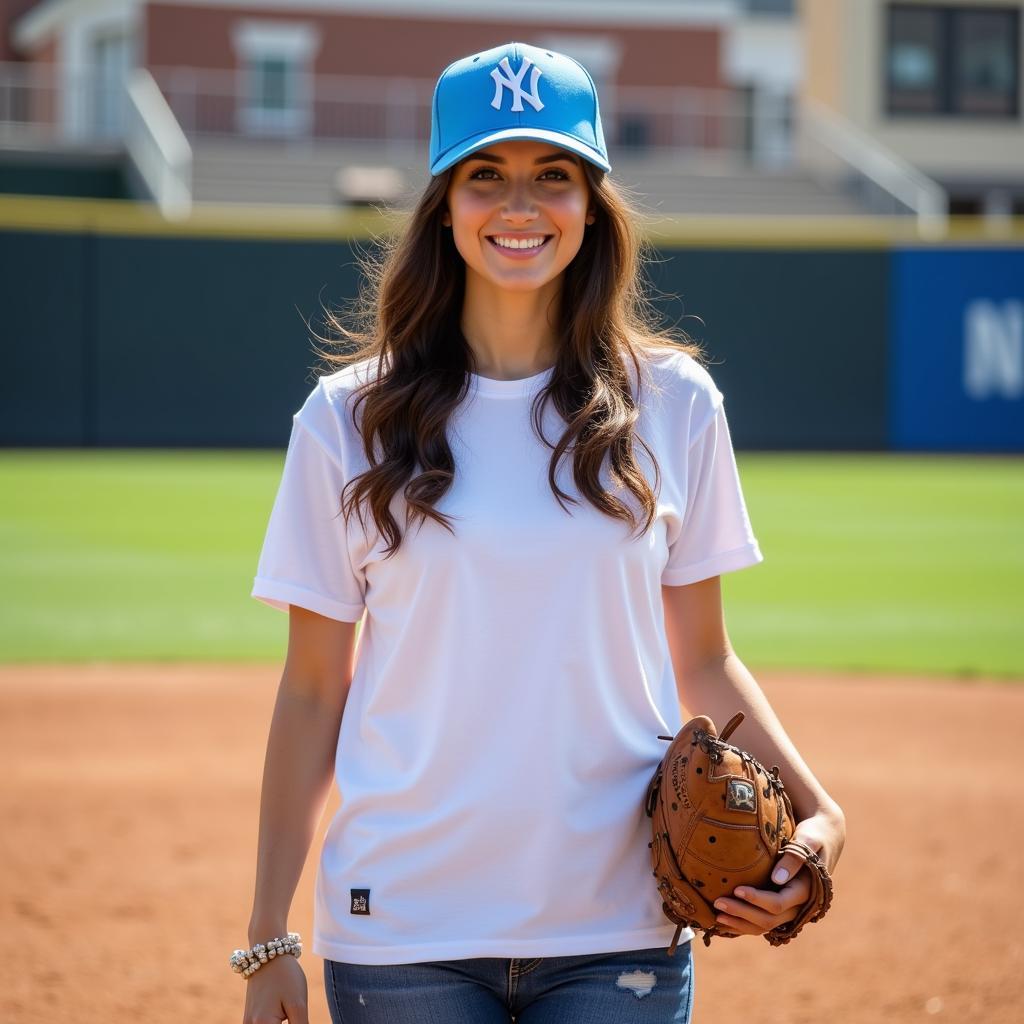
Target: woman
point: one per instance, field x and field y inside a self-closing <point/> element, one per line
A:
<point x="530" y="493"/>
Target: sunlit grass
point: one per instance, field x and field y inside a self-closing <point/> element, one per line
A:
<point x="873" y="562"/>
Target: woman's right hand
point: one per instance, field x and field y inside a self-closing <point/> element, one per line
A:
<point x="277" y="992"/>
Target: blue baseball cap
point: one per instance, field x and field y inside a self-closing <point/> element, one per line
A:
<point x="515" y="91"/>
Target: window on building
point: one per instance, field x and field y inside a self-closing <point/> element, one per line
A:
<point x="986" y="70"/>
<point x="275" y="62"/>
<point x="952" y="60"/>
<point x="271" y="83"/>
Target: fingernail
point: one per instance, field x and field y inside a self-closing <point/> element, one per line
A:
<point x="742" y="893"/>
<point x="781" y="874"/>
<point x="721" y="904"/>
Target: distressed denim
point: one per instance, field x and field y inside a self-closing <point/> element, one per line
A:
<point x="637" y="986"/>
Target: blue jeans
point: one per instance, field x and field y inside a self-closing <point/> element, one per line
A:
<point x="638" y="986"/>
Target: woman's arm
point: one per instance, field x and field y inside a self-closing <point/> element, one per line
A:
<point x="299" y="765"/>
<point x="712" y="681"/>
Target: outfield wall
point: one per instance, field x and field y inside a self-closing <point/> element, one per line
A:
<point x="120" y="329"/>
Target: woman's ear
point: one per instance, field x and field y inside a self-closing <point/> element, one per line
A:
<point x="591" y="217"/>
<point x="446" y="219"/>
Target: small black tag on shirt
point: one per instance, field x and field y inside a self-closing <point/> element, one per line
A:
<point x="360" y="901"/>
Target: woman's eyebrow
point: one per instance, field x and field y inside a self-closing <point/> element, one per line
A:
<point x="540" y="160"/>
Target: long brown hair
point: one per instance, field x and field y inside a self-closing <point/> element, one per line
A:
<point x="407" y="317"/>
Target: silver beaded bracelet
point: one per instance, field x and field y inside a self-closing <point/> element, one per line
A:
<point x="247" y="961"/>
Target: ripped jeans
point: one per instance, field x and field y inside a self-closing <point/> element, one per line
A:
<point x="638" y="986"/>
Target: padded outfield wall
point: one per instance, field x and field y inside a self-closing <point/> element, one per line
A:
<point x="120" y="329"/>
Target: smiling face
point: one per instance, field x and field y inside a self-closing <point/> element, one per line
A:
<point x="518" y="211"/>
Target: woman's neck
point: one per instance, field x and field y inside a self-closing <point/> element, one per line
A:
<point x="511" y="334"/>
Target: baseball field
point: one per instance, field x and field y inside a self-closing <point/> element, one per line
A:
<point x="886" y="626"/>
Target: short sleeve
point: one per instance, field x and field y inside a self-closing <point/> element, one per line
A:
<point x="305" y="557"/>
<point x="715" y="535"/>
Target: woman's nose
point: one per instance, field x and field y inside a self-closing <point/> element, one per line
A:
<point x="519" y="204"/>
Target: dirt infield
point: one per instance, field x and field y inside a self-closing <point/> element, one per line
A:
<point x="130" y="798"/>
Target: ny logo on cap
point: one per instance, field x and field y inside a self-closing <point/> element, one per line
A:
<point x="514" y="84"/>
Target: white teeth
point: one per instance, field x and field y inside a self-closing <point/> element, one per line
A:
<point x="524" y="243"/>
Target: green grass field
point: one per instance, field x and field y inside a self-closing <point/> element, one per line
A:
<point x="872" y="562"/>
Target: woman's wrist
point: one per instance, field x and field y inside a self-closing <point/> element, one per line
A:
<point x="832" y="811"/>
<point x="247" y="962"/>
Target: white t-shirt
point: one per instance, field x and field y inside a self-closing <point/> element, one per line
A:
<point x="511" y="680"/>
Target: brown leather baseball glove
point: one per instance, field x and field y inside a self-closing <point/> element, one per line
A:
<point x="720" y="819"/>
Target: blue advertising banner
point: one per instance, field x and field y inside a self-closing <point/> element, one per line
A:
<point x="957" y="350"/>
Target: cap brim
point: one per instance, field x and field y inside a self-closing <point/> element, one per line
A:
<point x="463" y="149"/>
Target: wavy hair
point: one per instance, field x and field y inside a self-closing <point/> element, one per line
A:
<point x="407" y="317"/>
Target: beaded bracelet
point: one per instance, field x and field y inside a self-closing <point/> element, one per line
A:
<point x="248" y="961"/>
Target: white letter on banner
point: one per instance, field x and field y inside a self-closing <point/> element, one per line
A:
<point x="994" y="349"/>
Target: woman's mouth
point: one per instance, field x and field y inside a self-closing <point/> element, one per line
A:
<point x="519" y="248"/>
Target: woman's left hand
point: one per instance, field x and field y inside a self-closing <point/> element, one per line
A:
<point x="755" y="911"/>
